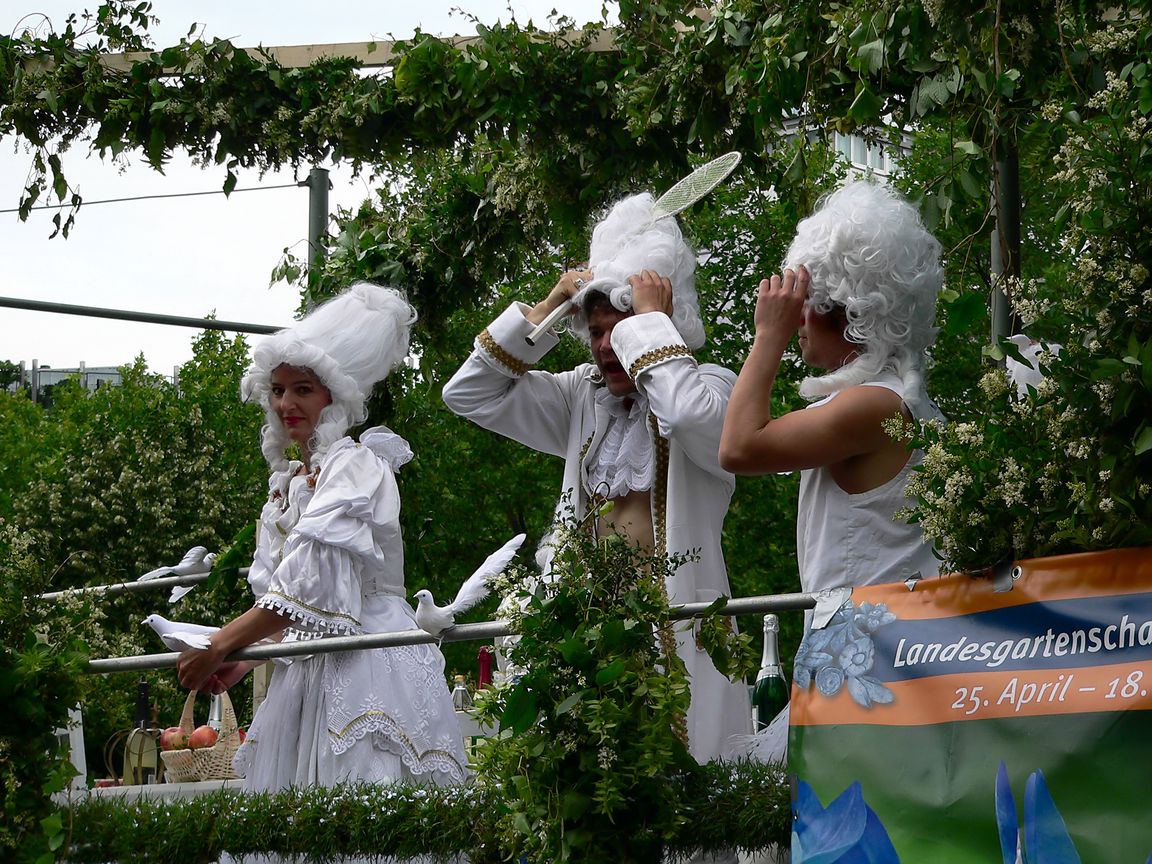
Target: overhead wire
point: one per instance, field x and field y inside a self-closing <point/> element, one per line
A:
<point x="150" y="197"/>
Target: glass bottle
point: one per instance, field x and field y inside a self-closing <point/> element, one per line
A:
<point x="216" y="712"/>
<point x="461" y="698"/>
<point x="140" y="718"/>
<point x="770" y="692"/>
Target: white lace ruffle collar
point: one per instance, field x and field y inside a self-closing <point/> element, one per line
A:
<point x="624" y="462"/>
<point x="388" y="446"/>
<point x="380" y="440"/>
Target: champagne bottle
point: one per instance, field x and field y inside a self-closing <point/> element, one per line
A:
<point x="770" y="693"/>
<point x="140" y="718"/>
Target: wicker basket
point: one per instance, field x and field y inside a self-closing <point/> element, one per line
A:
<point x="204" y="763"/>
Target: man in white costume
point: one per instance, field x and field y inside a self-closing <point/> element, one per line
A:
<point x="639" y="426"/>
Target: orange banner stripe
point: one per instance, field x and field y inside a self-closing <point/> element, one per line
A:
<point x="986" y="695"/>
<point x="1064" y="577"/>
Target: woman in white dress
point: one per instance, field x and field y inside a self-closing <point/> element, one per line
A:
<point x="330" y="562"/>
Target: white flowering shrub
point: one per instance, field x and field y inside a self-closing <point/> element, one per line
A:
<point x="1067" y="465"/>
<point x="126" y="479"/>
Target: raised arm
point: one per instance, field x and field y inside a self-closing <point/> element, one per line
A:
<point x="755" y="442"/>
<point x="687" y="399"/>
<point x="497" y="388"/>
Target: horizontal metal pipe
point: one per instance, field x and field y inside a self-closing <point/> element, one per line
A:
<point x="125" y="315"/>
<point x="459" y="633"/>
<point x="130" y="587"/>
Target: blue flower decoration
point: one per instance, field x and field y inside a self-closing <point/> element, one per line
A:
<point x="829" y="680"/>
<point x="843" y="653"/>
<point x="857" y="656"/>
<point x="1046" y="838"/>
<point x="848" y="831"/>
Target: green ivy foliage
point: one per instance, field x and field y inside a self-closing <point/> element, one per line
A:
<point x="592" y="718"/>
<point x="591" y="743"/>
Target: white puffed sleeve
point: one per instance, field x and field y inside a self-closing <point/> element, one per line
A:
<point x="348" y="528"/>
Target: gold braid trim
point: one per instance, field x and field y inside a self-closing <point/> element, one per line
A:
<point x="666" y="633"/>
<point x="516" y="367"/>
<point x="584" y="449"/>
<point x="652" y="357"/>
<point x="399" y="734"/>
<point x="589" y="520"/>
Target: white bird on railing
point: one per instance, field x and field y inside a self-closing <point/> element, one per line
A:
<point x="196" y="560"/>
<point x="435" y="619"/>
<point x="179" y="635"/>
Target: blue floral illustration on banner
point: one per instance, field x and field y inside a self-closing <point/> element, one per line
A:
<point x="846" y="831"/>
<point x="1046" y="838"/>
<point x="842" y="654"/>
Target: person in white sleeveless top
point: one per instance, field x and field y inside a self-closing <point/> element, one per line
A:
<point x="859" y="290"/>
<point x="330" y="562"/>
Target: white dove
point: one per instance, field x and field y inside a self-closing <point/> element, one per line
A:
<point x="178" y="635"/>
<point x="435" y="619"/>
<point x="196" y="560"/>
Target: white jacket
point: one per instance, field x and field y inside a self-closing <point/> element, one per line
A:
<point x="557" y="414"/>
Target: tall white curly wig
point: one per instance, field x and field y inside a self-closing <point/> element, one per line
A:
<point x="350" y="342"/>
<point x="629" y="240"/>
<point x="867" y="251"/>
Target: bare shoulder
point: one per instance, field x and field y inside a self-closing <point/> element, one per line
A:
<point x="861" y="406"/>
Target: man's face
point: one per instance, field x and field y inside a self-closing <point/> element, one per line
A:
<point x="823" y="344"/>
<point x="601" y="320"/>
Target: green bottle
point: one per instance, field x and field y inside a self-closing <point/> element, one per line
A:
<point x="770" y="693"/>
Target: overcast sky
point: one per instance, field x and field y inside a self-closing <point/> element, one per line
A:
<point x="189" y="256"/>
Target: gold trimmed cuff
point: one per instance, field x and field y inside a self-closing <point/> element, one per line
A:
<point x="650" y="358"/>
<point x="494" y="348"/>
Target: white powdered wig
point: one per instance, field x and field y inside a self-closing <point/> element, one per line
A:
<point x="349" y="342"/>
<point x="629" y="240"/>
<point x="868" y="251"/>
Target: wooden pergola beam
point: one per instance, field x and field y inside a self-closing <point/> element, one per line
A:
<point x="368" y="55"/>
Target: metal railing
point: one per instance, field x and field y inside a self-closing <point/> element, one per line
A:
<point x="459" y="633"/>
<point x="133" y="587"/>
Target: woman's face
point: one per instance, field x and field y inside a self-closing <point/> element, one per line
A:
<point x="298" y="397"/>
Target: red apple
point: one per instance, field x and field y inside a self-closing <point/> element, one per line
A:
<point x="173" y="738"/>
<point x="202" y="736"/>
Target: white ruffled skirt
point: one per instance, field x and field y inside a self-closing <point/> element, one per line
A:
<point x="375" y="716"/>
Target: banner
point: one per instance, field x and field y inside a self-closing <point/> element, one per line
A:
<point x="954" y="723"/>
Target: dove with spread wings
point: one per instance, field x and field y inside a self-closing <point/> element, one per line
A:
<point x="196" y="560"/>
<point x="435" y="619"/>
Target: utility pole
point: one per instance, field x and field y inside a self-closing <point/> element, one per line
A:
<point x="1005" y="253"/>
<point x="318" y="186"/>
